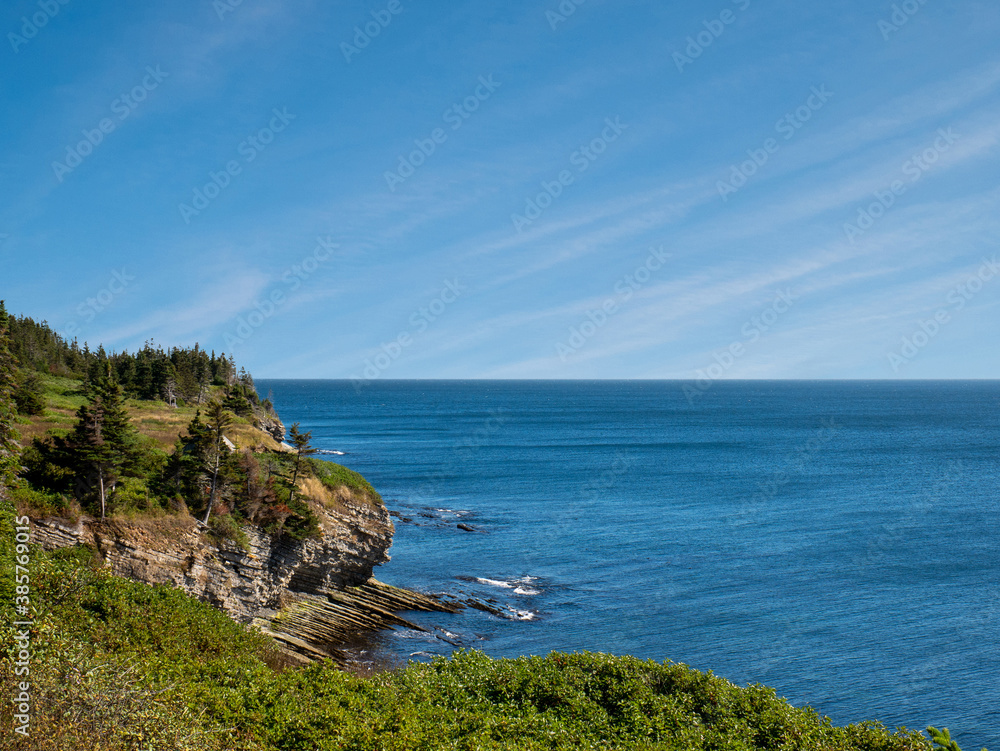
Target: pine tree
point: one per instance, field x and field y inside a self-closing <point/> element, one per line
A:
<point x="187" y="465"/>
<point x="104" y="444"/>
<point x="29" y="395"/>
<point x="302" y="449"/>
<point x="93" y="456"/>
<point x="219" y="420"/>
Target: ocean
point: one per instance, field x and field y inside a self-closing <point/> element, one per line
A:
<point x="837" y="541"/>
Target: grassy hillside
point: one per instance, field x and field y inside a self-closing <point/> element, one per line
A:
<point x="173" y="467"/>
<point x="64" y="396"/>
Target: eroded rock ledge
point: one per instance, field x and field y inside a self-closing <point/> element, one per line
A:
<point x="311" y="595"/>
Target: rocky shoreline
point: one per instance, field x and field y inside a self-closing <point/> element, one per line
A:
<point x="313" y="597"/>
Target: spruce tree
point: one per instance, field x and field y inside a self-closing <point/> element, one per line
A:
<point x="104" y="445"/>
<point x="187" y="465"/>
<point x="219" y="420"/>
<point x="302" y="449"/>
<point x="29" y="396"/>
<point x="93" y="456"/>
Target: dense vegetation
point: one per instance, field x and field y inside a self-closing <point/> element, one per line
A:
<point x="151" y="373"/>
<point x="102" y="465"/>
<point x="118" y="665"/>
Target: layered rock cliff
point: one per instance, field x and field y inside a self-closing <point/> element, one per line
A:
<point x="312" y="595"/>
<point x="354" y="539"/>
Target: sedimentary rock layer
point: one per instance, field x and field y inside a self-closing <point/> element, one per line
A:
<point x="311" y="595"/>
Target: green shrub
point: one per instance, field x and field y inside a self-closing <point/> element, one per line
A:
<point x="302" y="523"/>
<point x="334" y="476"/>
<point x="133" y="496"/>
<point x="225" y="527"/>
<point x="41" y="502"/>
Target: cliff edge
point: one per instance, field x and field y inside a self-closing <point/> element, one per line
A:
<point x="243" y="581"/>
<point x="312" y="596"/>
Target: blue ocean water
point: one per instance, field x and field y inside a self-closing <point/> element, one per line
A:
<point x="835" y="540"/>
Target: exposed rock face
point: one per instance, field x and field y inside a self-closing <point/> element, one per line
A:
<point x="269" y="423"/>
<point x="246" y="584"/>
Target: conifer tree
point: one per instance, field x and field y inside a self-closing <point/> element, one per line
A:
<point x="302" y="449"/>
<point x="28" y="396"/>
<point x="187" y="465"/>
<point x="104" y="444"/>
<point x="93" y="455"/>
<point x="219" y="420"/>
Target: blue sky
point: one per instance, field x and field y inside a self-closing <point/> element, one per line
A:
<point x="728" y="189"/>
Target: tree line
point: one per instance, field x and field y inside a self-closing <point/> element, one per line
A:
<point x="105" y="465"/>
<point x="178" y="375"/>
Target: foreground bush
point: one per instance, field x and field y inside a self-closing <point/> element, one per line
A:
<point x="563" y="701"/>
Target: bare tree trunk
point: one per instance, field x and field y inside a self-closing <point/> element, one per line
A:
<point x="100" y="484"/>
<point x="211" y="495"/>
<point x="295" y="478"/>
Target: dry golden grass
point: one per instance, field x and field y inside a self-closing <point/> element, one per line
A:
<point x="248" y="437"/>
<point x="164" y="429"/>
<point x="55" y="420"/>
<point x="315" y="490"/>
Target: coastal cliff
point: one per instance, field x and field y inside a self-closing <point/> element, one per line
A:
<point x="241" y="581"/>
<point x="312" y="596"/>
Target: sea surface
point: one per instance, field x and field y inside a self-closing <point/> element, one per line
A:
<point x="839" y="541"/>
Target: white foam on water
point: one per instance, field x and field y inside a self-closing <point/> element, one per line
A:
<point x="522" y="615"/>
<point x="495" y="583"/>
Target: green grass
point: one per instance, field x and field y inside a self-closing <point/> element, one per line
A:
<point x="334" y="476"/>
<point x="63" y="393"/>
<point x="152" y="418"/>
